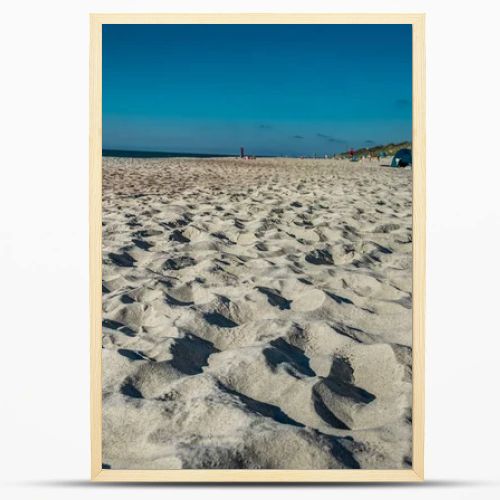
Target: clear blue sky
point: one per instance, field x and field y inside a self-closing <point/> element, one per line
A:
<point x="275" y="89"/>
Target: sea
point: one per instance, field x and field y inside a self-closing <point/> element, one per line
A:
<point x="123" y="153"/>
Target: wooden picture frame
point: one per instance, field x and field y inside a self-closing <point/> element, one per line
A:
<point x="403" y="475"/>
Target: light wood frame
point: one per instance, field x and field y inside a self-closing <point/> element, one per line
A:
<point x="95" y="179"/>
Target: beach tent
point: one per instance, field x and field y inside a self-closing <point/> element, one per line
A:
<point x="402" y="158"/>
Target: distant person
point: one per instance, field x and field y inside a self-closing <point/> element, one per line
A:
<point x="351" y="153"/>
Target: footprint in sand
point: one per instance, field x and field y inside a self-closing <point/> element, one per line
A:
<point x="308" y="301"/>
<point x="274" y="298"/>
<point x="320" y="257"/>
<point x="122" y="260"/>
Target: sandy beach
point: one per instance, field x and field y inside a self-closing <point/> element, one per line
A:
<point x="256" y="314"/>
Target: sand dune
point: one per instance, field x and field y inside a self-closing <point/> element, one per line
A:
<point x="257" y="314"/>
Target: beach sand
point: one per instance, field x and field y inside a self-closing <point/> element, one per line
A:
<point x="256" y="314"/>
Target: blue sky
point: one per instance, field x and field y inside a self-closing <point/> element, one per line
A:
<point x="274" y="89"/>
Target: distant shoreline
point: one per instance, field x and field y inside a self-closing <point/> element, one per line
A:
<point x="388" y="149"/>
<point x="124" y="153"/>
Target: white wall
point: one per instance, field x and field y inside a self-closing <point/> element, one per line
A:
<point x="43" y="243"/>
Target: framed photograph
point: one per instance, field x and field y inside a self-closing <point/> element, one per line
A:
<point x="257" y="247"/>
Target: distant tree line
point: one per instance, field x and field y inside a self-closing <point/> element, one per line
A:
<point x="388" y="149"/>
